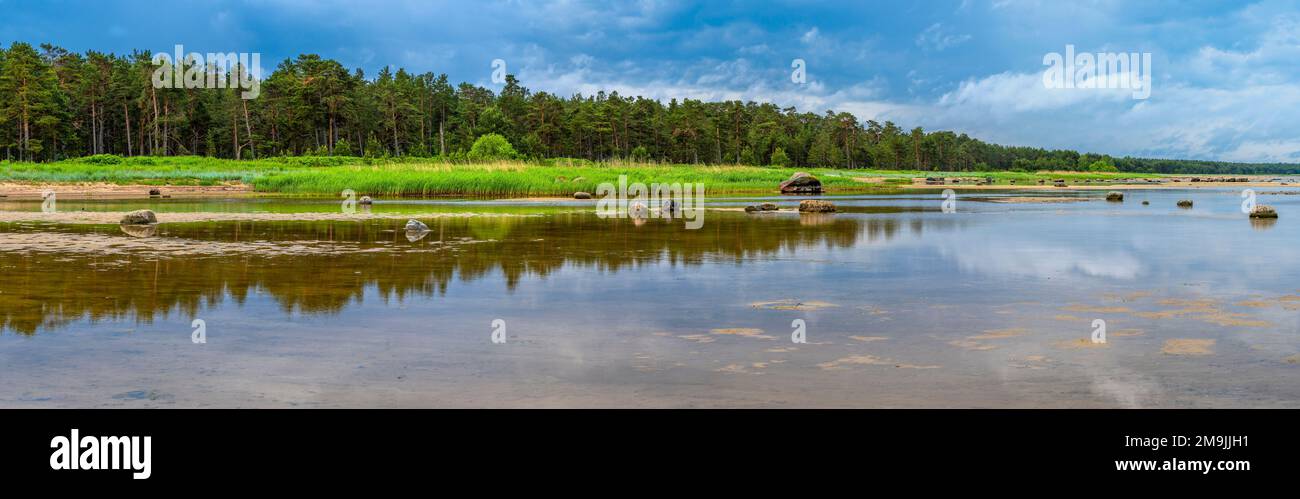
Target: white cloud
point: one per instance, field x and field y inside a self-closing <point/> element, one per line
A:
<point x="938" y="38"/>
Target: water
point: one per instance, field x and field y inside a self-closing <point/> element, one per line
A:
<point x="902" y="305"/>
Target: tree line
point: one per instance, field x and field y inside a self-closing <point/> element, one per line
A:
<point x="56" y="104"/>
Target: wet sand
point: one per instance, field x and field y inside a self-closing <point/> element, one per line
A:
<point x="113" y="217"/>
<point x="16" y="191"/>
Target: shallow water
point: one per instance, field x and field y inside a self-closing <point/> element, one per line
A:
<point x="903" y="305"/>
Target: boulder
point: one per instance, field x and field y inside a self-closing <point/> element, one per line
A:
<point x="415" y="226"/>
<point x="1263" y="211"/>
<point x="1185" y="203"/>
<point x="581" y="195"/>
<point x="139" y="217"/>
<point x="1114" y="196"/>
<point x="768" y="207"/>
<point x="816" y="206"/>
<point x="751" y="208"/>
<point x="801" y="183"/>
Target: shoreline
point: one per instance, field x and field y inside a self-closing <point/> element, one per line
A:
<point x="17" y="191"/>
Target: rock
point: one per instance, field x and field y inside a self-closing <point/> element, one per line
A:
<point x="415" y="225"/>
<point x="816" y="206"/>
<point x="1145" y="203"/>
<point x="1114" y="196"/>
<point x="366" y="201"/>
<point x="768" y="207"/>
<point x="139" y="217"/>
<point x="1185" y="203"/>
<point x="801" y="183"/>
<point x="638" y="210"/>
<point x="1263" y="211"/>
<point x="155" y="192"/>
<point x="751" y="208"/>
<point x="581" y="195"/>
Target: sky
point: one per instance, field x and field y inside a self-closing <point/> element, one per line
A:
<point x="1225" y="77"/>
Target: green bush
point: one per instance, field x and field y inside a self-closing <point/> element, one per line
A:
<point x="491" y="147"/>
<point x="779" y="158"/>
<point x="102" y="159"/>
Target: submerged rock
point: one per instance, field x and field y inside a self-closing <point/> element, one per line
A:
<point x="139" y="217"/>
<point x="801" y="183"/>
<point x="1114" y="196"/>
<point x="816" y="206"/>
<point x="1185" y="203"/>
<point x="581" y="195"/>
<point x="416" y="226"/>
<point x="762" y="207"/>
<point x="1263" y="211"/>
<point x="1145" y="203"/>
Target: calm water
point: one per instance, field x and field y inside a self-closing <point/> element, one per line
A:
<point x="902" y="306"/>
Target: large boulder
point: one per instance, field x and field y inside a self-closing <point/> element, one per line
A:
<point x="1263" y="211"/>
<point x="816" y="206"/>
<point x="139" y="217"/>
<point x="801" y="183"/>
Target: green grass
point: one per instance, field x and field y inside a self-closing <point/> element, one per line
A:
<point x="425" y="177"/>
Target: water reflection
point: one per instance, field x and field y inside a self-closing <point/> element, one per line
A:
<point x="48" y="286"/>
<point x="1263" y="223"/>
<point x="137" y="230"/>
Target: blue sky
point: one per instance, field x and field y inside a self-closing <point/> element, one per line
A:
<point x="1226" y="74"/>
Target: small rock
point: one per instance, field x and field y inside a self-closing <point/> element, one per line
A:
<point x="1114" y="196"/>
<point x="139" y="217"/>
<point x="638" y="210"/>
<point x="155" y="192"/>
<point x="1263" y="211"/>
<point x="415" y="225"/>
<point x="816" y="206"/>
<point x="581" y="195"/>
<point x="751" y="208"/>
<point x="1185" y="203"/>
<point x="1145" y="203"/>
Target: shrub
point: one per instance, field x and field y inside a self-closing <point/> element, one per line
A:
<point x="491" y="147"/>
<point x="102" y="159"/>
<point x="779" y="158"/>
